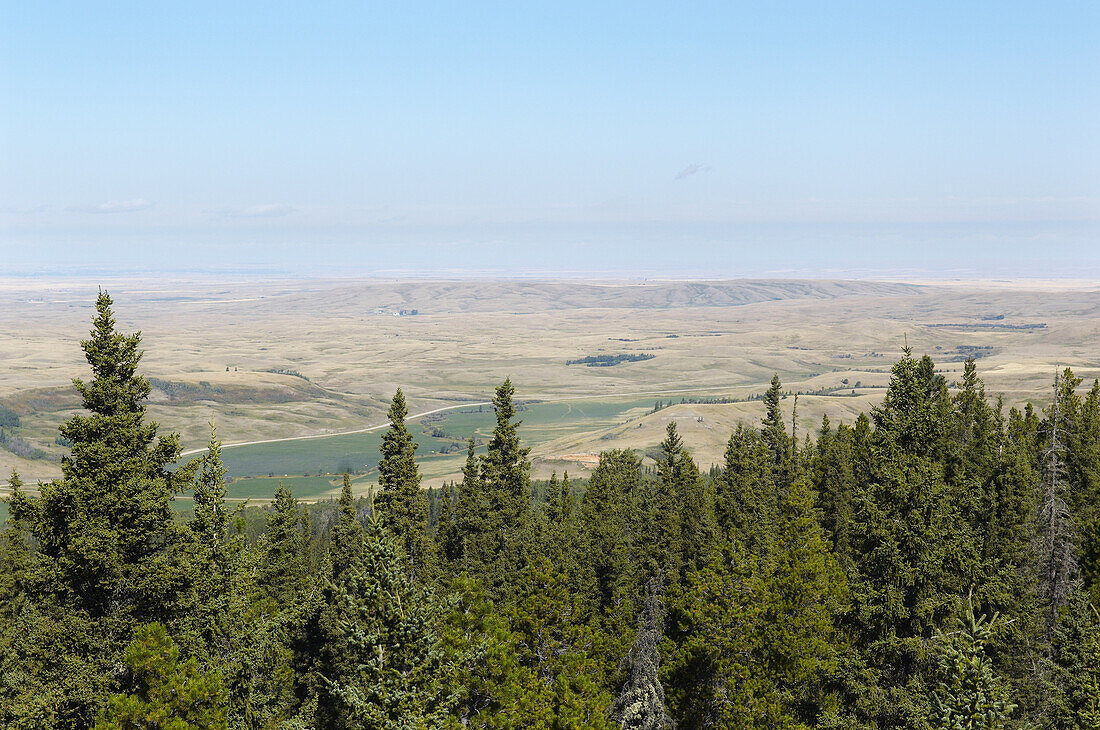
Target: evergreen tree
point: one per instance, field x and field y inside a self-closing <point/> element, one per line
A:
<point x="282" y="573"/>
<point x="506" y="527"/>
<point x="485" y="685"/>
<point x="913" y="552"/>
<point x="641" y="702"/>
<point x="382" y="627"/>
<point x="1071" y="700"/>
<point x="165" y="691"/>
<point x="970" y="695"/>
<point x="602" y="542"/>
<point x="15" y="554"/>
<point x="775" y="433"/>
<point x="665" y="527"/>
<point x="472" y="515"/>
<point x="210" y="520"/>
<point x="400" y="502"/>
<point x="564" y="691"/>
<point x="448" y="540"/>
<point x="746" y="503"/>
<point x="693" y="535"/>
<point x="104" y="525"/>
<point x="107" y="553"/>
<point x="1056" y="549"/>
<point x="346" y="548"/>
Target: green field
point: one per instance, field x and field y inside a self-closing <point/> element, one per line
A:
<point x="360" y="452"/>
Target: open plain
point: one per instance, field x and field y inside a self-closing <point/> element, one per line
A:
<point x="310" y="360"/>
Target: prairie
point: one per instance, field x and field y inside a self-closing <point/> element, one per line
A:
<point x="283" y="358"/>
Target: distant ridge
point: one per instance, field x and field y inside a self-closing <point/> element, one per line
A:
<point x="431" y="297"/>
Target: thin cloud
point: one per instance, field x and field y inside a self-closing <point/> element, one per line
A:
<point x="117" y="206"/>
<point x="265" y="210"/>
<point x="692" y="169"/>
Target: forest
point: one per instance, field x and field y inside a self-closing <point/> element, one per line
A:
<point x="934" y="564"/>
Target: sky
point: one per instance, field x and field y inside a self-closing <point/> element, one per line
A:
<point x="633" y="139"/>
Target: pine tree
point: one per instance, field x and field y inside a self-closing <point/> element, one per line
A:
<point x="713" y="677"/>
<point x="555" y="649"/>
<point x="805" y="594"/>
<point x="485" y="685"/>
<point x="400" y="502"/>
<point x="641" y="701"/>
<point x="166" y="692"/>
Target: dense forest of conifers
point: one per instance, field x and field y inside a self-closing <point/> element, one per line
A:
<point x="935" y="564"/>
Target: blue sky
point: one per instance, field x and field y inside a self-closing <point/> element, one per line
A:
<point x="634" y="138"/>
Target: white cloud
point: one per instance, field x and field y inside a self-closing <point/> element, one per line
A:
<point x="117" y="206"/>
<point x="267" y="210"/>
<point x="691" y="170"/>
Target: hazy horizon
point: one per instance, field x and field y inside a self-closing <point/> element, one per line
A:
<point x="935" y="141"/>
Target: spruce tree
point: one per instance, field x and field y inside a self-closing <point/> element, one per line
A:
<point x="746" y="504"/>
<point x="447" y="538"/>
<point x="15" y="554"/>
<point x="641" y="701"/>
<point x="107" y="549"/>
<point x="503" y="539"/>
<point x="970" y="695"/>
<point x="104" y="525"/>
<point x="664" y="520"/>
<point x="602" y="542"/>
<point x="282" y="573"/>
<point x="400" y="502"/>
<point x="774" y="431"/>
<point x="1056" y="548"/>
<point x="210" y="520"/>
<point x="693" y="534"/>
<point x="382" y="630"/>
<point x="346" y="548"/>
<point x="472" y="515"/>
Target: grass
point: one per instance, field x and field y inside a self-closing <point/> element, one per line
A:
<point x="730" y="338"/>
<point x="540" y="422"/>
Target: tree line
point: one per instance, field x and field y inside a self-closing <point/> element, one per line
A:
<point x="935" y="564"/>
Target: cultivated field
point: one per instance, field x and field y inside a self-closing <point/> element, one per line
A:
<point x="279" y="359"/>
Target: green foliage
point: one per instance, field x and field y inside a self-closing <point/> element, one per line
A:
<point x="400" y="502"/>
<point x="165" y="691"/>
<point x="970" y="695"/>
<point x="641" y="701"/>
<point x="806" y="584"/>
<point x="384" y="656"/>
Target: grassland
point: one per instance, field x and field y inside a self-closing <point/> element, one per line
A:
<point x="279" y="359"/>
